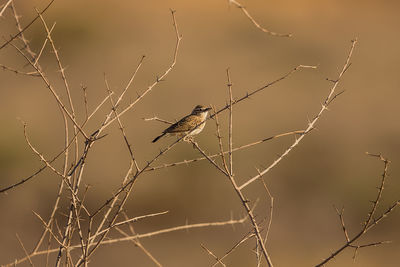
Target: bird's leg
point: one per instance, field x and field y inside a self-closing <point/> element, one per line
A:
<point x="188" y="138"/>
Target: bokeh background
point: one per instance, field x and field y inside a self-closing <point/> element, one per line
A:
<point x="328" y="168"/>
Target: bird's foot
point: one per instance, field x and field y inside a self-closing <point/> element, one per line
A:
<point x="188" y="139"/>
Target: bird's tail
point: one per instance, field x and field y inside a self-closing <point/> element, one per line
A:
<point x="158" y="137"/>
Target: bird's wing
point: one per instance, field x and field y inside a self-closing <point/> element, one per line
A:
<point x="187" y="123"/>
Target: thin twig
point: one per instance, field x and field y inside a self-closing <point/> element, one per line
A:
<point x="271" y="208"/>
<point x="380" y="190"/>
<point x="244" y="10"/>
<point x="356" y="248"/>
<point x="157" y="119"/>
<point x="177" y="228"/>
<point x="41" y="157"/>
<point x="340" y="214"/>
<point x="127" y="221"/>
<point x="24" y="249"/>
<point x="230" y="121"/>
<point x="85" y="101"/>
<point x="31" y="73"/>
<point x="44" y="45"/>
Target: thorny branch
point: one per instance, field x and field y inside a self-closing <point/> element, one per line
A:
<point x="96" y="234"/>
<point x="311" y="124"/>
<point x="27" y="26"/>
<point x="139" y="236"/>
<point x="369" y="222"/>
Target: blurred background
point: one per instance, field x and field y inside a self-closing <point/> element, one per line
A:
<point x="328" y="168"/>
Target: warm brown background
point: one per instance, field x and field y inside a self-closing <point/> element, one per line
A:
<point x="328" y="168"/>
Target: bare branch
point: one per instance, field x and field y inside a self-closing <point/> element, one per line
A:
<point x="31" y="73"/>
<point x="311" y="125"/>
<point x="247" y="14"/>
<point x="27" y="26"/>
<point x="184" y="162"/>
<point x="159" y="78"/>
<point x="230" y="121"/>
<point x="139" y="236"/>
<point x="221" y="147"/>
<point x="24" y="249"/>
<point x="369" y="222"/>
<point x="248" y="95"/>
<point x="157" y="119"/>
<point x="271" y="208"/>
<point x="208" y="158"/>
<point x="340" y="214"/>
<point x="138" y="218"/>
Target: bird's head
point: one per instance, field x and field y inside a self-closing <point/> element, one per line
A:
<point x="199" y="109"/>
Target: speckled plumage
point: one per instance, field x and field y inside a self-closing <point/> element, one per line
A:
<point x="191" y="124"/>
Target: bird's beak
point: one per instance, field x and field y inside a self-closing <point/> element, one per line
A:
<point x="207" y="109"/>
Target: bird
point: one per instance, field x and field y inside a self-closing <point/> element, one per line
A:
<point x="189" y="125"/>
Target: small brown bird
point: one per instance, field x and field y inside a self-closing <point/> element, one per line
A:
<point x="191" y="124"/>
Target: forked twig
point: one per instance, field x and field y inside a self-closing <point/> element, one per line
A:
<point x="369" y="222"/>
<point x="221" y="147"/>
<point x="340" y="214"/>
